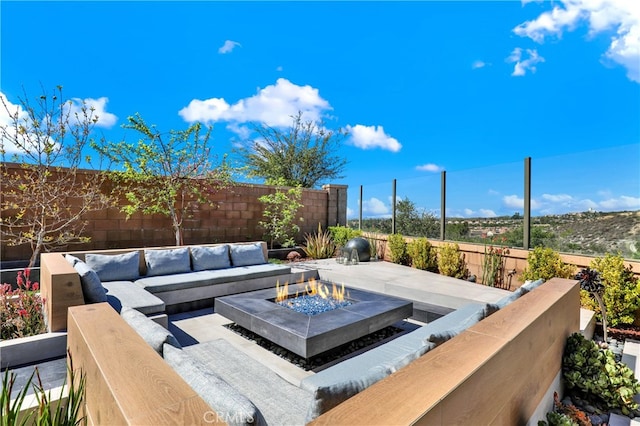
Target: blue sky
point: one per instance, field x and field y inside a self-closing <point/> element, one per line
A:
<point x="468" y="87"/>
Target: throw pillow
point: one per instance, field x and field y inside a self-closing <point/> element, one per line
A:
<point x="116" y="267"/>
<point x="247" y="254"/>
<point x="216" y="257"/>
<point x="166" y="262"/>
<point x="92" y="289"/>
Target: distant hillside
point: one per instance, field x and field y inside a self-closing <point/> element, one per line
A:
<point x="587" y="232"/>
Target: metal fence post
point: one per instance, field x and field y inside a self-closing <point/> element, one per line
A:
<point x="443" y="205"/>
<point x="526" y="228"/>
<point x="393" y="207"/>
<point x="360" y="216"/>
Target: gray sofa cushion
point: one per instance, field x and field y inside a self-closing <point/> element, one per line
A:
<point x="341" y="381"/>
<point x="126" y="293"/>
<point x="216" y="257"/>
<point x="508" y="299"/>
<point x="464" y="320"/>
<point x="165" y="262"/>
<point x="530" y="285"/>
<point x="72" y="259"/>
<point x="117" y="267"/>
<point x="280" y="402"/>
<point x="246" y="254"/>
<point x="229" y="404"/>
<point x="153" y="333"/>
<point x="92" y="289"/>
<point x="210" y="277"/>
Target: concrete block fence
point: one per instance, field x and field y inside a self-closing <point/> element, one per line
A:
<point x="234" y="217"/>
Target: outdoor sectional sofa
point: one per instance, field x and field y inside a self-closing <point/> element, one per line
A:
<point x="154" y="281"/>
<point x="232" y="387"/>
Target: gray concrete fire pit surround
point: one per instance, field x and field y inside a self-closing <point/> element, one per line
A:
<point x="310" y="335"/>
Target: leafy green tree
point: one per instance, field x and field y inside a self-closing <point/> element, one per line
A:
<point x="302" y="155"/>
<point x="458" y="231"/>
<point x="540" y="237"/>
<point x="280" y="210"/>
<point x="166" y="173"/>
<point x="46" y="197"/>
<point x="413" y="222"/>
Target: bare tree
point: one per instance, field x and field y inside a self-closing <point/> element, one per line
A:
<point x="44" y="193"/>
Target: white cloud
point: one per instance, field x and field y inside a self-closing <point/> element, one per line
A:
<point x="565" y="203"/>
<point x="487" y="213"/>
<point x="523" y="65"/>
<point x="515" y="202"/>
<point x="621" y="17"/>
<point x="369" y="137"/>
<point x="478" y="64"/>
<point x="493" y="192"/>
<point x="228" y="46"/>
<point x="430" y="167"/>
<point x="273" y="105"/>
<point x="480" y="213"/>
<point x="6" y="120"/>
<point x="557" y="198"/>
<point x="623" y="202"/>
<point x="28" y="141"/>
<point x="105" y="119"/>
<point x="374" y="206"/>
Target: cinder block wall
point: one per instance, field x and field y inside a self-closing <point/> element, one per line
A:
<point x="234" y="217"/>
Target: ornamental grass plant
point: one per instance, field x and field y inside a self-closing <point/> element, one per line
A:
<point x="21" y="309"/>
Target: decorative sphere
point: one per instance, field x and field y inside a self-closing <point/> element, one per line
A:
<point x="361" y="245"/>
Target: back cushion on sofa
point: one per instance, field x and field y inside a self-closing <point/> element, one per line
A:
<point x="116" y="267"/>
<point x="166" y="262"/>
<point x="204" y="258"/>
<point x="92" y="289"/>
<point x="152" y="332"/>
<point x="246" y="254"/>
<point x="230" y="405"/>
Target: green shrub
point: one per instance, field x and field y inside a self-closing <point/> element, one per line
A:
<point x="451" y="261"/>
<point x="545" y="263"/>
<point x="398" y="249"/>
<point x="621" y="290"/>
<point x="595" y="376"/>
<point x="319" y="245"/>
<point x="342" y="234"/>
<point x="422" y="254"/>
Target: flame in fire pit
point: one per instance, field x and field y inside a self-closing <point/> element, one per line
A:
<point x="312" y="288"/>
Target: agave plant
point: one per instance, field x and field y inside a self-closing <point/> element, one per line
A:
<point x="591" y="281"/>
<point x="319" y="245"/>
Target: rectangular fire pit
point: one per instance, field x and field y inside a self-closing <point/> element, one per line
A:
<point x="310" y="335"/>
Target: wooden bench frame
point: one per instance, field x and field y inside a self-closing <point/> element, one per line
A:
<point x="499" y="371"/>
<point x="496" y="372"/>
